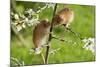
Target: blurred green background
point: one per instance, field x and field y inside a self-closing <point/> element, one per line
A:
<point x="84" y="23"/>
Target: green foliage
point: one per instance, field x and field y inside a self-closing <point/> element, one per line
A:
<point x="84" y="23"/>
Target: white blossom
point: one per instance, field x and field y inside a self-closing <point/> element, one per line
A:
<point x="50" y="5"/>
<point x="19" y="25"/>
<point x="31" y="51"/>
<point x="41" y="9"/>
<point x="12" y="14"/>
<point x="17" y="62"/>
<point x="28" y="18"/>
<point x="19" y="28"/>
<point x="16" y="16"/>
<point x="89" y="44"/>
<point x="47" y="5"/>
<point x="54" y="51"/>
<point x="23" y="25"/>
<point x="30" y="11"/>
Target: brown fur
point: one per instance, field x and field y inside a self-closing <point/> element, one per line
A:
<point x="41" y="32"/>
<point x="65" y="16"/>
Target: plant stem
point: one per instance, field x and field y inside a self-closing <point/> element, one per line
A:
<point x="43" y="58"/>
<point x="60" y="39"/>
<point x="76" y="34"/>
<point x="50" y="37"/>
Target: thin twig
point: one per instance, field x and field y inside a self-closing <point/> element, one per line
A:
<point x="15" y="61"/>
<point x="50" y="37"/>
<point x="75" y="33"/>
<point x="60" y="39"/>
<point x="43" y="58"/>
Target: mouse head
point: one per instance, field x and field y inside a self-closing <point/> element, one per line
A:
<point x="45" y="23"/>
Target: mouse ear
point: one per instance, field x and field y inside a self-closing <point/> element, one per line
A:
<point x="46" y="24"/>
<point x="66" y="9"/>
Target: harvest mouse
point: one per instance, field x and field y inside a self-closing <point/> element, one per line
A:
<point x="63" y="17"/>
<point x="40" y="35"/>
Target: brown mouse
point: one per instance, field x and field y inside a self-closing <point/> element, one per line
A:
<point x="63" y="17"/>
<point x="40" y="35"/>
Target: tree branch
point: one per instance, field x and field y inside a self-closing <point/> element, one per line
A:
<point x="50" y="37"/>
<point x="60" y="39"/>
<point x="75" y="33"/>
